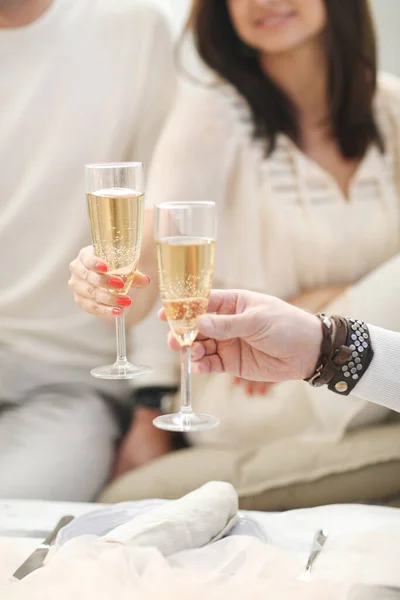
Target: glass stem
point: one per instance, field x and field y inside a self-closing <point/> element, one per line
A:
<point x="121" y="339"/>
<point x="186" y="370"/>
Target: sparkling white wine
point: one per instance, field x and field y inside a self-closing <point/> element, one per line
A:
<point x="186" y="268"/>
<point x="116" y="219"/>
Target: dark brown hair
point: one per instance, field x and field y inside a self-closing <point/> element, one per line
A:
<point x="351" y="63"/>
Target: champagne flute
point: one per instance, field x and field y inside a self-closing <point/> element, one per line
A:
<point x="115" y="196"/>
<point x="185" y="236"/>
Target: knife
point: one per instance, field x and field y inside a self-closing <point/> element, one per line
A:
<point x="318" y="543"/>
<point x="24" y="533"/>
<point x="35" y="560"/>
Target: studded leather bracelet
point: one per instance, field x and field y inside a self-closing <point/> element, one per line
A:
<point x="345" y="355"/>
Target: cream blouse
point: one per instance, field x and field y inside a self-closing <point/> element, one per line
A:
<point x="284" y="227"/>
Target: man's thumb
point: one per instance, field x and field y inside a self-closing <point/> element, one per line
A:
<point x="224" y="327"/>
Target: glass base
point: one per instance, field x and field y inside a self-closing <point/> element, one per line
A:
<point x="120" y="370"/>
<point x="186" y="421"/>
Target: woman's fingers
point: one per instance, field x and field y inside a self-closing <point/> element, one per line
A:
<point x="253" y="388"/>
<point x="98" y="302"/>
<point x="92" y="276"/>
<point x="92" y="262"/>
<point x="249" y="387"/>
<point x="80" y="273"/>
<point x="92" y="290"/>
<point x="98" y="295"/>
<point x="95" y="289"/>
<point x="94" y="308"/>
<point x="140" y="280"/>
<point x="88" y="265"/>
<point x="263" y="388"/>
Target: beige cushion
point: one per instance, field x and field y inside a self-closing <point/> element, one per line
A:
<point x="364" y="466"/>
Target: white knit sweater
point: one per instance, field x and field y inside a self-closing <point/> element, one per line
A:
<point x="89" y="81"/>
<point x="381" y="382"/>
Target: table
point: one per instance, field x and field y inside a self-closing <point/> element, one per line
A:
<point x="291" y="530"/>
<point x="27" y="515"/>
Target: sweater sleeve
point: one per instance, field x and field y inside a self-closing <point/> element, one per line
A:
<point x="194" y="155"/>
<point x="191" y="163"/>
<point x="156" y="80"/>
<point x="374" y="300"/>
<point x="381" y="382"/>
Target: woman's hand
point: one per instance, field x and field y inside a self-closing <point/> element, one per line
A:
<point x="253" y="388"/>
<point x="90" y="285"/>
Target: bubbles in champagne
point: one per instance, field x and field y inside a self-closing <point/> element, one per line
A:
<point x="189" y="308"/>
<point x="116" y="218"/>
<point x="186" y="266"/>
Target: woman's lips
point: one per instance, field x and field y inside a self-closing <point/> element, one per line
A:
<point x="274" y="21"/>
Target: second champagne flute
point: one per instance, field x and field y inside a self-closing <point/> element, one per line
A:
<point x="185" y="236"/>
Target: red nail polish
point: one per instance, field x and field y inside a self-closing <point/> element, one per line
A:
<point x="117" y="312"/>
<point x="124" y="301"/>
<point x="116" y="283"/>
<point x="148" y="279"/>
<point x="101" y="267"/>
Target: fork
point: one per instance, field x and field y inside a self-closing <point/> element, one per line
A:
<point x="318" y="543"/>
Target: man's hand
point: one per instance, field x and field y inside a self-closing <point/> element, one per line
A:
<point x="255" y="337"/>
<point x="142" y="443"/>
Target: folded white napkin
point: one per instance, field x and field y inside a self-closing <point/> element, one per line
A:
<point x="202" y="516"/>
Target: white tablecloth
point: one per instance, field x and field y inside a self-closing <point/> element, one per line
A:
<point x="292" y="531"/>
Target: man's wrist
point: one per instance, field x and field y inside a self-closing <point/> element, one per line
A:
<point x="345" y="354"/>
<point x="313" y="346"/>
